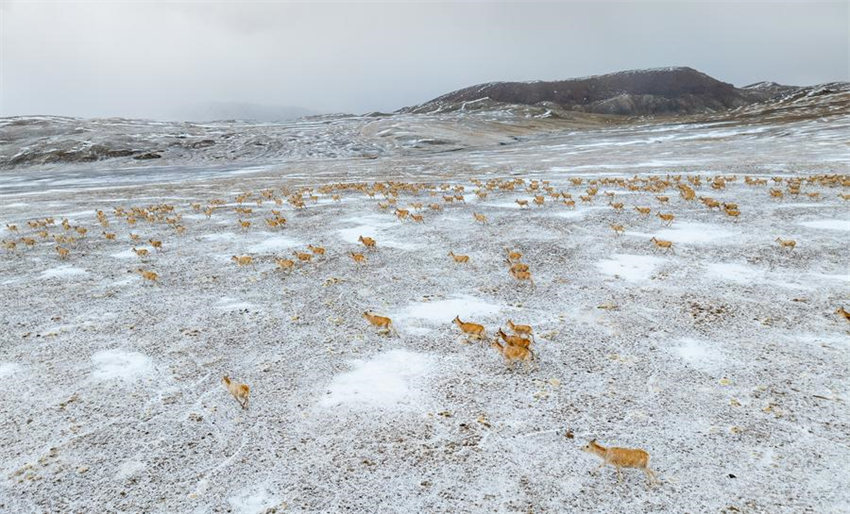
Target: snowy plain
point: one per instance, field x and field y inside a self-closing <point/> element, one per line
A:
<point x="724" y="359"/>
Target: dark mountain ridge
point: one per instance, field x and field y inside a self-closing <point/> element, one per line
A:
<point x="679" y="90"/>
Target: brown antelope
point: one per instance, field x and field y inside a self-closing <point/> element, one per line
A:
<point x="513" y="353"/>
<point x="621" y="458"/>
<point x="730" y="206"/>
<point x="617" y="228"/>
<point x="513" y="255"/>
<point x="382" y="322"/>
<point x="63" y="252"/>
<point x="417" y="218"/>
<point x="134" y="237"/>
<point x="522" y="203"/>
<point x="285" y="264"/>
<point x="570" y="203"/>
<point x="524" y="330"/>
<point x="141" y="252"/>
<point x="368" y="242"/>
<point x="402" y="213"/>
<point x="514" y="340"/>
<point x="81" y="230"/>
<point x="517" y="266"/>
<point x="244" y="260"/>
<point x="303" y="257"/>
<point x="661" y="243"/>
<point x="617" y="206"/>
<point x="666" y="218"/>
<point x="240" y="392"/>
<point x="244" y="224"/>
<point x="109" y="235"/>
<point x="317" y="250"/>
<point x="480" y="218"/>
<point x="10" y="245"/>
<point x="359" y="258"/>
<point x="786" y="243"/>
<point x="28" y="241"/>
<point x="539" y="200"/>
<point x="586" y="198"/>
<point x="843" y="313"/>
<point x="523" y="275"/>
<point x="459" y="258"/>
<point x="470" y="329"/>
<point x="150" y="276"/>
<point x="12" y="228"/>
<point x="643" y="211"/>
<point x="662" y="199"/>
<point x="156" y="244"/>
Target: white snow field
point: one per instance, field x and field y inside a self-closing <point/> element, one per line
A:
<point x="725" y="358"/>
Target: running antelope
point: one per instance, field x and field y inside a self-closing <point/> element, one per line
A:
<point x="240" y="392"/>
<point x="150" y="276"/>
<point x="666" y="218"/>
<point x="470" y="329"/>
<point x="786" y="243"/>
<point x="317" y="250"/>
<point x="243" y="260"/>
<point x="514" y="340"/>
<point x="524" y="330"/>
<point x="285" y="264"/>
<point x="621" y="458"/>
<point x="661" y="243"/>
<point x="382" y="322"/>
<point x="368" y="242"/>
<point x="513" y="353"/>
<point x="459" y="258"/>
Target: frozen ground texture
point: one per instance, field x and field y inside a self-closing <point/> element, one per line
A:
<point x="724" y="360"/>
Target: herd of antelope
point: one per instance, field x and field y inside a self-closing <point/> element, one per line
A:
<point x="164" y="225"/>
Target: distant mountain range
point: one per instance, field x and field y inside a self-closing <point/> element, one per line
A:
<point x="679" y="90"/>
<point x="221" y="111"/>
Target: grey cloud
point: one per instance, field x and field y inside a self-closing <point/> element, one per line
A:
<point x="150" y="59"/>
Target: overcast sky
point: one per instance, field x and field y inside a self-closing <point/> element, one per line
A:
<point x="150" y="59"/>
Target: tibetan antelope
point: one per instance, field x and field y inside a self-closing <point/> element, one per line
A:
<point x="522" y="203"/>
<point x="786" y="243"/>
<point x="317" y="250"/>
<point x="470" y="329"/>
<point x="513" y="255"/>
<point x="243" y="260"/>
<point x="617" y="228"/>
<point x="514" y="340"/>
<point x="843" y="313"/>
<point x="621" y="458"/>
<point x="63" y="252"/>
<point x="382" y="322"/>
<point x="661" y="243"/>
<point x="524" y="330"/>
<point x="513" y="353"/>
<point x="666" y="218"/>
<point x="303" y="257"/>
<point x="359" y="258"/>
<point x="285" y="264"/>
<point x="149" y="276"/>
<point x="368" y="242"/>
<point x="459" y="258"/>
<point x="480" y="218"/>
<point x="643" y="211"/>
<point x="240" y="392"/>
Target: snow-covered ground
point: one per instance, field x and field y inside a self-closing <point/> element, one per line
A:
<point x="724" y="359"/>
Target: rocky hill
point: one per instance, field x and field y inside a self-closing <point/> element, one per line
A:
<point x="640" y="92"/>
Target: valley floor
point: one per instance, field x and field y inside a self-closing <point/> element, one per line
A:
<point x="724" y="359"/>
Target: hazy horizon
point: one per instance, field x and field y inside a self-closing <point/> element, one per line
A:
<point x="158" y="59"/>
